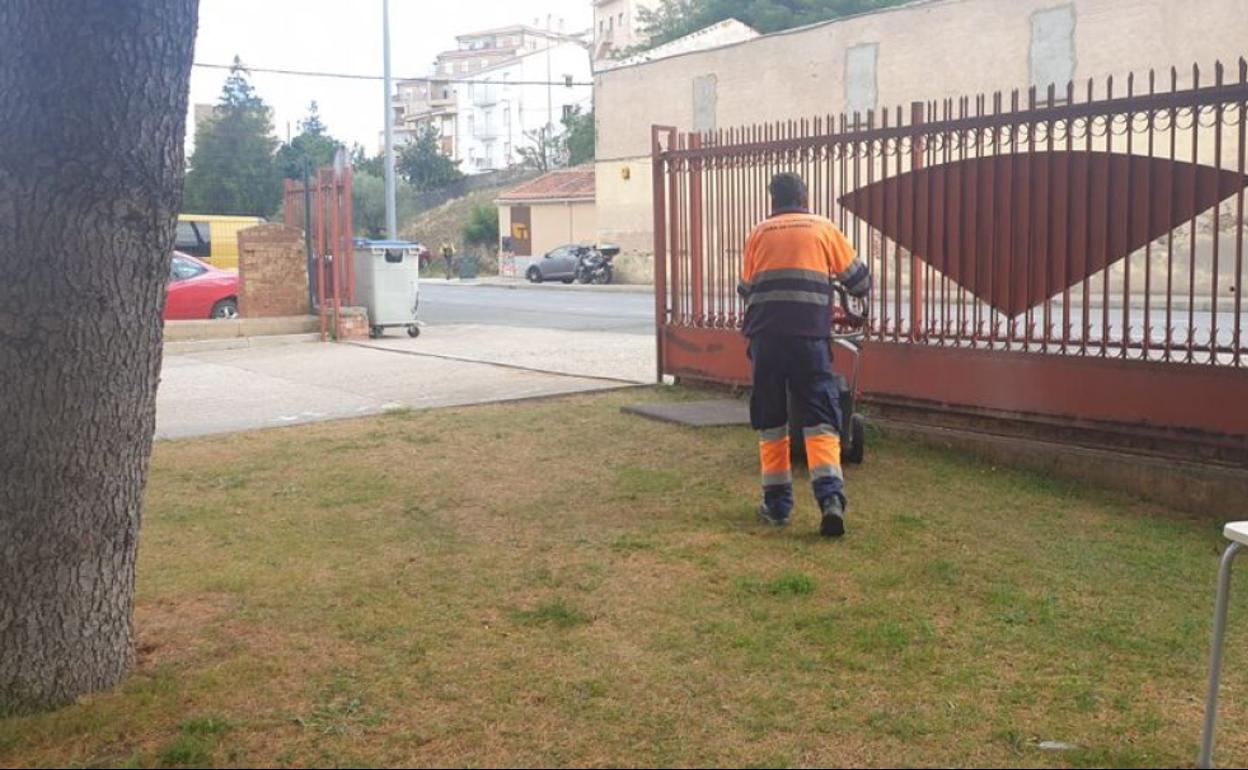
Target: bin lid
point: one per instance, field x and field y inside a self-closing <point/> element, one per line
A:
<point x="379" y="247"/>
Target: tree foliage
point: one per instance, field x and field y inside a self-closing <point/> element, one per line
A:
<point x="368" y="197"/>
<point x="578" y="137"/>
<point x="544" y="151"/>
<point x="360" y="161"/>
<point x="422" y="163"/>
<point x="481" y="229"/>
<point x="232" y="170"/>
<point x="313" y="143"/>
<point x="672" y="19"/>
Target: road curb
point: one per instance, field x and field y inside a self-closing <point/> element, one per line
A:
<point x="623" y="288"/>
<point x="184" y="347"/>
<point x="519" y="367"/>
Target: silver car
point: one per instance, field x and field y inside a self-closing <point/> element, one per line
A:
<point x="558" y="264"/>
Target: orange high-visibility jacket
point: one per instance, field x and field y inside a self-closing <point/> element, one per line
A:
<point x="791" y="260"/>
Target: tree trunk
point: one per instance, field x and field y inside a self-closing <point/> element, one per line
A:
<point x="92" y="116"/>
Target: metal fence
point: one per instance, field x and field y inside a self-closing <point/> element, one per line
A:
<point x="1096" y="223"/>
<point x="323" y="210"/>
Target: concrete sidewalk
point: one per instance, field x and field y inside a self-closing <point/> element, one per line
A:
<point x="222" y="391"/>
<point x="611" y="356"/>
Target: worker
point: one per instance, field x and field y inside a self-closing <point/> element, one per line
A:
<point x="448" y="254"/>
<point x="791" y="260"/>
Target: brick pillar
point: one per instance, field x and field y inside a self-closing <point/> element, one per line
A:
<point x="353" y="325"/>
<point x="272" y="272"/>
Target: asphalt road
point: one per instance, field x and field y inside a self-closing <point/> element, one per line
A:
<point x="545" y="308"/>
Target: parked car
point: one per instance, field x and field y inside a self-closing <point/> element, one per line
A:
<point x="572" y="262"/>
<point x="558" y="264"/>
<point x="198" y="290"/>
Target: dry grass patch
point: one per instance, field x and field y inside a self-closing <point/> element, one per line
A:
<point x="555" y="583"/>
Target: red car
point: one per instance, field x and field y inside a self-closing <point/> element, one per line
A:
<point x="199" y="290"/>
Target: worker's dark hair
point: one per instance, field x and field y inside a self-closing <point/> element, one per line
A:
<point x="788" y="191"/>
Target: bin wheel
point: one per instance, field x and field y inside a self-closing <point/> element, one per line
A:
<point x="375" y="331"/>
<point x="413" y="331"/>
<point x="853" y="453"/>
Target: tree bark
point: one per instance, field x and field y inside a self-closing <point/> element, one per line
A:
<point x="93" y="98"/>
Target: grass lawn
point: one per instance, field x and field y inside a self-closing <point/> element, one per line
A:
<point x="555" y="583"/>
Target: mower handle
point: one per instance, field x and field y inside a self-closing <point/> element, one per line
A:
<point x="854" y="313"/>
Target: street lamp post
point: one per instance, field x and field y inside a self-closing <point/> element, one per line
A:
<point x="392" y="227"/>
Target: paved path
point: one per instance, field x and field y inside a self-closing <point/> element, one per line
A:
<point x="480" y="344"/>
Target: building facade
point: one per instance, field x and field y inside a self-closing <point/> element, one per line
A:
<point x="542" y="214"/>
<point x="491" y="93"/>
<point x="926" y="50"/>
<point x="617" y="26"/>
<point x="505" y="107"/>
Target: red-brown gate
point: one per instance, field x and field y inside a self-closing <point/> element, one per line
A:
<point x="323" y="210"/>
<point x="1075" y="260"/>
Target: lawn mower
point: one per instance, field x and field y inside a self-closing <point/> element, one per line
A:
<point x="849" y="328"/>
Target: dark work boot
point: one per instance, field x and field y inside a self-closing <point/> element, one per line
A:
<point x="772" y="518"/>
<point x="777" y="505"/>
<point x="833" y="523"/>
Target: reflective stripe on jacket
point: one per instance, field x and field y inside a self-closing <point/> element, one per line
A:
<point x="790" y="261"/>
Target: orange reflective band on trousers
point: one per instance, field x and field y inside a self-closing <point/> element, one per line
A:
<point x="823" y="454"/>
<point x="774" y="456"/>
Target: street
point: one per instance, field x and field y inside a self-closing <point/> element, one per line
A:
<point x="571" y="309"/>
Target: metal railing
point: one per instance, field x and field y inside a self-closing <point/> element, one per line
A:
<point x="1101" y="223"/>
<point x="322" y="208"/>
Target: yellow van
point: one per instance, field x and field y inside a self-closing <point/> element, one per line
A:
<point x="212" y="237"/>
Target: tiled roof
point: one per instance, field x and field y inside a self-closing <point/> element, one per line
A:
<point x="564" y="184"/>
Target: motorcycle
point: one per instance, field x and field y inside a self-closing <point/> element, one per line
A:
<point x="594" y="265"/>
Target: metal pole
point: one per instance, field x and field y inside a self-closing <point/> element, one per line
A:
<point x="313" y="276"/>
<point x="392" y="226"/>
<point x="1215" y="655"/>
<point x="550" y="110"/>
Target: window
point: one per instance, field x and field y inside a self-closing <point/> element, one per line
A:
<point x="567" y="111"/>
<point x="472" y="125"/>
<point x="507" y="116"/>
<point x="194" y="238"/>
<point x="1052" y="50"/>
<point x="860" y="83"/>
<point x="602" y="26"/>
<point x="181" y="269"/>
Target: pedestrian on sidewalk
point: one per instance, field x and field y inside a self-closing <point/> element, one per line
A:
<point x="448" y="254"/>
<point x="791" y="260"/>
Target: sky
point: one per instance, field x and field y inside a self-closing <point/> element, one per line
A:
<point x="345" y="36"/>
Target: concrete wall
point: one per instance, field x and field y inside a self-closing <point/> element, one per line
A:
<point x="927" y="50"/>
